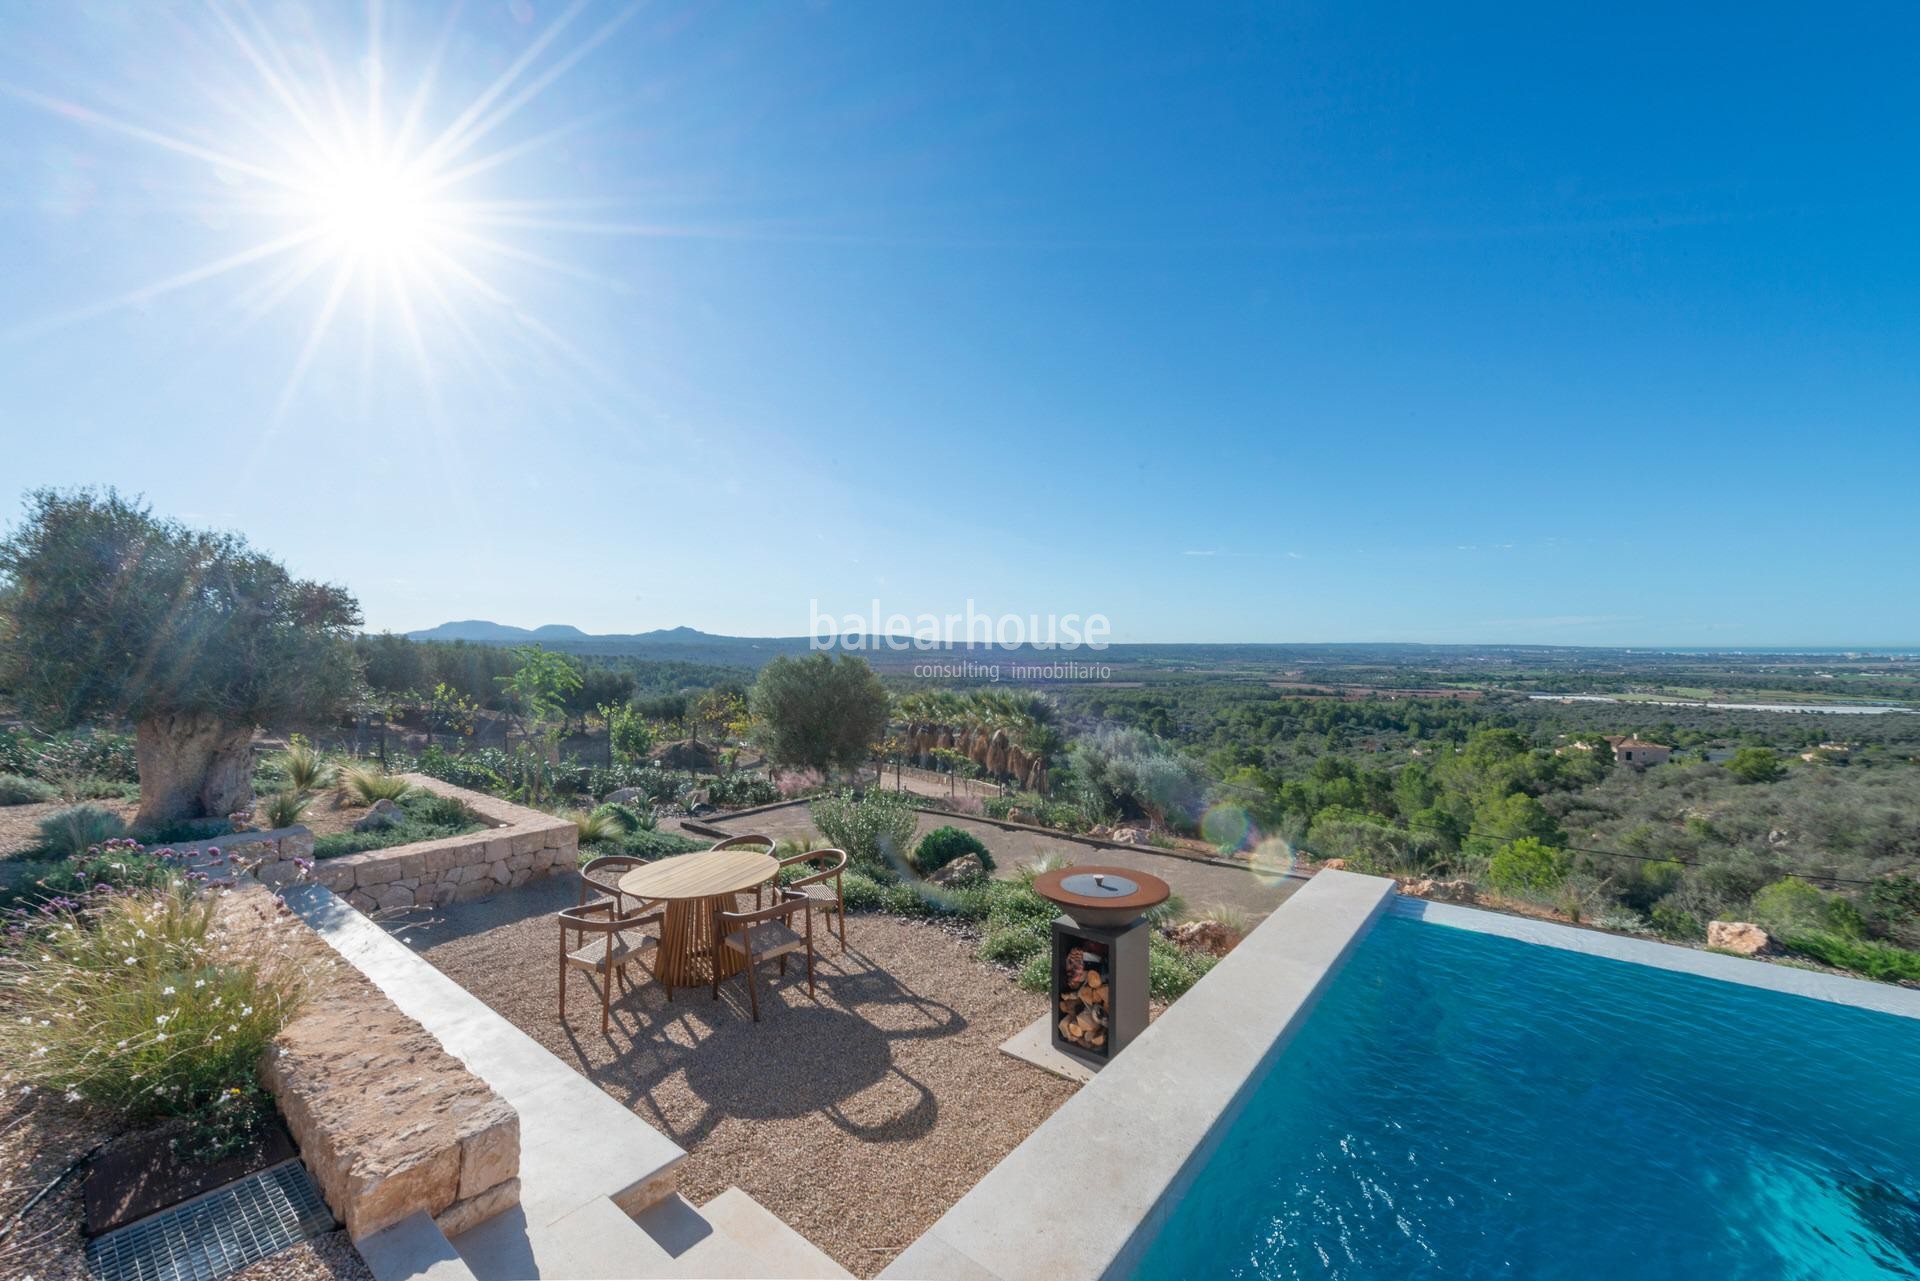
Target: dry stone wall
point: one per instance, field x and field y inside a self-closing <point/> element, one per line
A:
<point x="517" y="845"/>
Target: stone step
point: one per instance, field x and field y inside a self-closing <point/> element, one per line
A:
<point x="413" y="1249"/>
<point x="739" y="1216"/>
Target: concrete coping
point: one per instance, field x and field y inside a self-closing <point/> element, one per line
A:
<point x="1819" y="985"/>
<point x="1151" y="1118"/>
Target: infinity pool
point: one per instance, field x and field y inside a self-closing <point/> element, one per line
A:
<point x="1463" y="1105"/>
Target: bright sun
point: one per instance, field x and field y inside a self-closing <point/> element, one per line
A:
<point x="359" y="190"/>
<point x="373" y="208"/>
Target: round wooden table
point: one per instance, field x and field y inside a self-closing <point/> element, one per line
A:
<point x="696" y="889"/>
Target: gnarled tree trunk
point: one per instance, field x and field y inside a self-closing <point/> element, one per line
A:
<point x="192" y="766"/>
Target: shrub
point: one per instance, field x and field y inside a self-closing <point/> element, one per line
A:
<point x="626" y="816"/>
<point x="305" y="767"/>
<point x="427" y="817"/>
<point x="73" y="831"/>
<point x="943" y="845"/>
<point x="1756" y="765"/>
<point x="740" y="791"/>
<point x="1171" y="969"/>
<point x="598" y="826"/>
<point x="1875" y="960"/>
<point x="368" y="784"/>
<point x="1015" y="945"/>
<point x="143" y="1003"/>
<point x="1527" y="866"/>
<point x="876" y="830"/>
<point x="284" y="809"/>
<point x="1037" y="974"/>
<point x="1792" y="906"/>
<point x="115" y="864"/>
<point x="16" y="790"/>
<point x="1672" y="921"/>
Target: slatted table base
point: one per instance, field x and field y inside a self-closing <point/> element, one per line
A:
<point x="688" y="942"/>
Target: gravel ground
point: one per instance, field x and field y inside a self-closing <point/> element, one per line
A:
<point x="20" y="824"/>
<point x="859" y="1119"/>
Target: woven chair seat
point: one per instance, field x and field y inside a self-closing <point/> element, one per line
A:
<point x="593" y="955"/>
<point x="770" y="938"/>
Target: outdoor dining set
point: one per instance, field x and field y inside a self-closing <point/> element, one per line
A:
<point x="684" y="912"/>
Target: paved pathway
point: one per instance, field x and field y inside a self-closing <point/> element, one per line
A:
<point x="1203" y="885"/>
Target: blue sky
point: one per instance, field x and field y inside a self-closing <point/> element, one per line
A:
<point x="1346" y="322"/>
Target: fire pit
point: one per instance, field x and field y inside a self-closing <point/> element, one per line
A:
<point x="1099" y="957"/>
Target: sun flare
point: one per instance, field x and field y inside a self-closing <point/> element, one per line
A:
<point x="357" y="177"/>
<point x="372" y="208"/>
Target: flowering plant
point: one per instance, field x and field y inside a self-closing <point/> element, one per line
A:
<point x="148" y="1000"/>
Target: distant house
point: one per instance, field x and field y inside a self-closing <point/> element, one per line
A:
<point x="1638" y="752"/>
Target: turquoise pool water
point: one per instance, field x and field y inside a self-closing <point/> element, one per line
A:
<point x="1462" y="1105"/>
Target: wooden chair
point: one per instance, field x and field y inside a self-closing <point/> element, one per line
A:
<point x="766" y="932"/>
<point x="604" y="874"/>
<point x="765" y="844"/>
<point x="831" y="899"/>
<point x="618" y="940"/>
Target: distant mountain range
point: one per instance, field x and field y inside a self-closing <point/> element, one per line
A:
<point x="685" y="644"/>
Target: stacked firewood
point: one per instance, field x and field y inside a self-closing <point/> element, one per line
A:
<point x="1085" y="1000"/>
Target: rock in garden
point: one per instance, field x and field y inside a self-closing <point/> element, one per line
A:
<point x="382" y="813"/>
<point x="963" y="869"/>
<point x="626" y="796"/>
<point x="1439" y="891"/>
<point x="1129" y="836"/>
<point x="1739" y="937"/>
<point x="1334" y="865"/>
<point x="1205" y="936"/>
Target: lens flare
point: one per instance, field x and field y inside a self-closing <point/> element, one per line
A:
<point x="1226" y="827"/>
<point x="1273" y="860"/>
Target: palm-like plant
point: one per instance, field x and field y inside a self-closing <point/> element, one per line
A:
<point x="306" y="767"/>
<point x="284" y="809"/>
<point x="367" y="785"/>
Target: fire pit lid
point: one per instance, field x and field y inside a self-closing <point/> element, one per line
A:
<point x="1098" y="885"/>
<point x="1117" y="890"/>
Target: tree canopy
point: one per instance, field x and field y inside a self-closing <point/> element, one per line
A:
<point x="818" y="712"/>
<point x="107" y="610"/>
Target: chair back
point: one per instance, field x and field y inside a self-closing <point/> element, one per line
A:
<point x="595" y="919"/>
<point x="827" y="863"/>
<point x="751" y="841"/>
<point x="604" y="874"/>
<point x="789" y="902"/>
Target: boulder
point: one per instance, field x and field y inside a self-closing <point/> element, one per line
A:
<point x="1129" y="836"/>
<point x="1205" y="936"/>
<point x="627" y="796"/>
<point x="1100" y="831"/>
<point x="1742" y="938"/>
<point x="963" y="869"/>
<point x="382" y="813"/>
<point x="1018" y="815"/>
<point x="1334" y="865"/>
<point x="1439" y="891"/>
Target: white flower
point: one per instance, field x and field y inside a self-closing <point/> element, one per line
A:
<point x="159" y="1036"/>
<point x="73" y="1096"/>
<point x="39" y="1051"/>
<point x="167" y="990"/>
<point x="129" y="960"/>
<point x="245" y="1010"/>
<point x="199" y="982"/>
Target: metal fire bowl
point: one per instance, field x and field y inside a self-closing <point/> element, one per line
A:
<point x="1101" y="895"/>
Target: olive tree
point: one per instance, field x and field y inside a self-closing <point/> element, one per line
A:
<point x="817" y="712"/>
<point x="109" y="611"/>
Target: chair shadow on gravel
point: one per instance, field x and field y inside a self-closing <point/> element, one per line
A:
<point x="803" y="1057"/>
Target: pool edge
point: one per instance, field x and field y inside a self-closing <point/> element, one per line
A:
<point x="1818" y="985"/>
<point x="1143" y="1128"/>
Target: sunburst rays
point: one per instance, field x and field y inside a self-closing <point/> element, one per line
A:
<point x="334" y="168"/>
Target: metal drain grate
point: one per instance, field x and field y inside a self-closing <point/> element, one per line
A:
<point x="221" y="1232"/>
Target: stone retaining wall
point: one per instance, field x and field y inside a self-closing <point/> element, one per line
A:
<point x="517" y="845"/>
<point x="386" y="1120"/>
